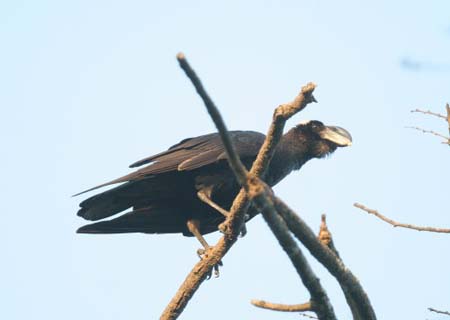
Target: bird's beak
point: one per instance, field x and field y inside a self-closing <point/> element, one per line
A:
<point x="337" y="135"/>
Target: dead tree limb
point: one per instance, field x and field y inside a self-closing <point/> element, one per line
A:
<point x="240" y="205"/>
<point x="282" y="307"/>
<point x="398" y="224"/>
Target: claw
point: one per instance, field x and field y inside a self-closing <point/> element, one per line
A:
<point x="203" y="253"/>
<point x="243" y="231"/>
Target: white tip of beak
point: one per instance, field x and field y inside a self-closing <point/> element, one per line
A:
<point x="337" y="135"/>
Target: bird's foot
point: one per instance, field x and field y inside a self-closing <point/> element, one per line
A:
<point x="243" y="231"/>
<point x="203" y="253"/>
<point x="223" y="227"/>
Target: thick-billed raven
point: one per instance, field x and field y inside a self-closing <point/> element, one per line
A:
<point x="189" y="188"/>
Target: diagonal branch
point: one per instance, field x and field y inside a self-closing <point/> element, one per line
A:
<point x="398" y="224"/>
<point x="439" y="311"/>
<point x="240" y="204"/>
<point x="262" y="196"/>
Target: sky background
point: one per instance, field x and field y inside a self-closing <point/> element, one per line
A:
<point x="88" y="87"/>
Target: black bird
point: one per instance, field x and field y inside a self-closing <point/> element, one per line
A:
<point x="189" y="188"/>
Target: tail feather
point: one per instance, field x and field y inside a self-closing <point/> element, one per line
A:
<point x="147" y="220"/>
<point x="110" y="202"/>
<point x="143" y="192"/>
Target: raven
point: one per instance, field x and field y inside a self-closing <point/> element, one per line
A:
<point x="189" y="188"/>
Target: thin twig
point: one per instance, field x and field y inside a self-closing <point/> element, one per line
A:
<point x="430" y="113"/>
<point x="439" y="311"/>
<point x="348" y="282"/>
<point x="446" y="118"/>
<point x="282" y="307"/>
<point x="398" y="224"/>
<point x="433" y="133"/>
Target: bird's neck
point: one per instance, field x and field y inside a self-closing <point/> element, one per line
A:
<point x="288" y="156"/>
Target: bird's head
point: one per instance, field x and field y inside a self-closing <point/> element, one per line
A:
<point x="321" y="140"/>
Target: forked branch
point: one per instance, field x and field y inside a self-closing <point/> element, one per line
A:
<point x="438" y="115"/>
<point x="240" y="205"/>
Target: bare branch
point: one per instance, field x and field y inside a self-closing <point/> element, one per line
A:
<point x="282" y="307"/>
<point x="433" y="133"/>
<point x="439" y="311"/>
<point x="398" y="224"/>
<point x="430" y="113"/>
<point x="348" y="282"/>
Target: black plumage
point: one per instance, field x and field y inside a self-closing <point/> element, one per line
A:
<point x="163" y="195"/>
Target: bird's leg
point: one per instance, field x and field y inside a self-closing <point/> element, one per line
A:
<point x="194" y="228"/>
<point x="202" y="195"/>
<point x="205" y="197"/>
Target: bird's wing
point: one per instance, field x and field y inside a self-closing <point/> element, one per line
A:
<point x="186" y="144"/>
<point x="197" y="152"/>
<point x="193" y="153"/>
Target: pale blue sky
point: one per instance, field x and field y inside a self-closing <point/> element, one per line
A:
<point x="88" y="87"/>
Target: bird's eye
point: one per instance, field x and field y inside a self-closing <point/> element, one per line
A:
<point x="316" y="125"/>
